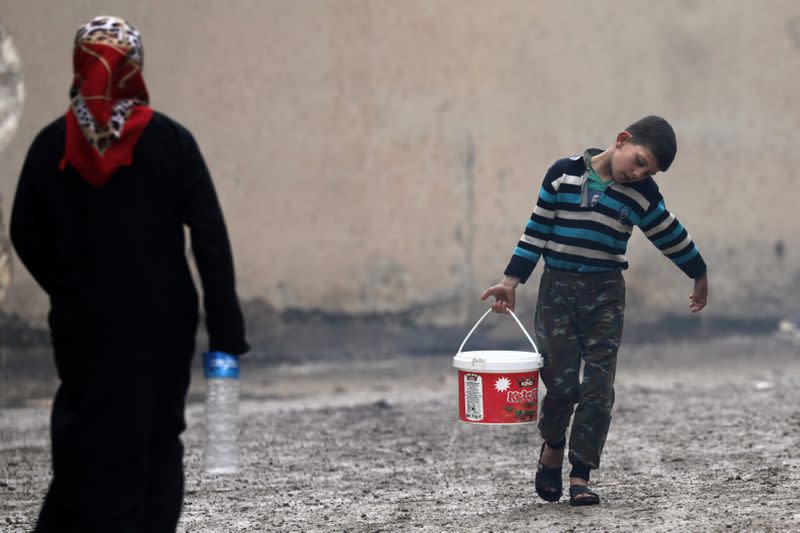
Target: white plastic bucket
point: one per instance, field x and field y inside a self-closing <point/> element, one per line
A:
<point x="498" y="386"/>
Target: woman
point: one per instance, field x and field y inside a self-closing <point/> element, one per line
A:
<point x="98" y="220"/>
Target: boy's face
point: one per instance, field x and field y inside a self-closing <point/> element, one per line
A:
<point x="631" y="162"/>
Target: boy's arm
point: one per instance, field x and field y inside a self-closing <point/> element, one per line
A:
<point x="537" y="231"/>
<point x="668" y="235"/>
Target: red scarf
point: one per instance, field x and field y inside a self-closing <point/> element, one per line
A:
<point x="109" y="110"/>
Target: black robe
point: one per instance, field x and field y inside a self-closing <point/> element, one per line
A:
<point x="113" y="260"/>
<point x="123" y="319"/>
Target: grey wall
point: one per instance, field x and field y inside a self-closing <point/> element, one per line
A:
<point x="385" y="155"/>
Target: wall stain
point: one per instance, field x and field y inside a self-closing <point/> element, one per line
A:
<point x="793" y="31"/>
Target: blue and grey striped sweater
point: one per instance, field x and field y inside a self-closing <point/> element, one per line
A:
<point x="574" y="234"/>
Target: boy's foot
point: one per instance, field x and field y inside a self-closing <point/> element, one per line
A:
<point x="552" y="458"/>
<point x="548" y="475"/>
<point x="579" y="493"/>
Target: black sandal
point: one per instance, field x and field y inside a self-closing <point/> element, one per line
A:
<point x="548" y="482"/>
<point x="591" y="498"/>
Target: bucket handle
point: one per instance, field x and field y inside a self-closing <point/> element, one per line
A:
<point x="535" y="349"/>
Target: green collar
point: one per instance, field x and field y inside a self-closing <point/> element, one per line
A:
<point x="595" y="181"/>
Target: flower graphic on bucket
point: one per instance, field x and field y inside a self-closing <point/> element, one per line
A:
<point x="502" y="384"/>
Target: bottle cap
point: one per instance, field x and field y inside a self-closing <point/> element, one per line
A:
<point x="221" y="365"/>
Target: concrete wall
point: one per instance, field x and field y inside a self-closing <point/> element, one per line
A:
<point x="380" y="156"/>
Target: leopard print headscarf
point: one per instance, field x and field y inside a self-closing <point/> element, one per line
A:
<point x="108" y="98"/>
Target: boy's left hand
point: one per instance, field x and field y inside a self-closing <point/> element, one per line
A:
<point x="699" y="295"/>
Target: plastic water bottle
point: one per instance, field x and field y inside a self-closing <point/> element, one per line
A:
<point x="222" y="412"/>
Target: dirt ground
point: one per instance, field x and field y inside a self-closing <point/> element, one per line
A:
<point x="705" y="437"/>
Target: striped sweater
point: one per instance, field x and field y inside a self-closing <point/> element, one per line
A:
<point x="575" y="234"/>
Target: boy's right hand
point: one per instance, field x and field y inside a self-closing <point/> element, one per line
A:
<point x="504" y="294"/>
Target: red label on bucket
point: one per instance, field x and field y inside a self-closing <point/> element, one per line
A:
<point x="498" y="398"/>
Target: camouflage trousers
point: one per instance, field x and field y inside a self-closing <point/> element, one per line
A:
<point x="579" y="318"/>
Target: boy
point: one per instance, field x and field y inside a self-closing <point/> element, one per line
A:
<point x="581" y="224"/>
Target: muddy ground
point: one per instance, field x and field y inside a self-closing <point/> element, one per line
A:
<point x="705" y="437"/>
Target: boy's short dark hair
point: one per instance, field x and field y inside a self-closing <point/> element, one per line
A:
<point x="656" y="134"/>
